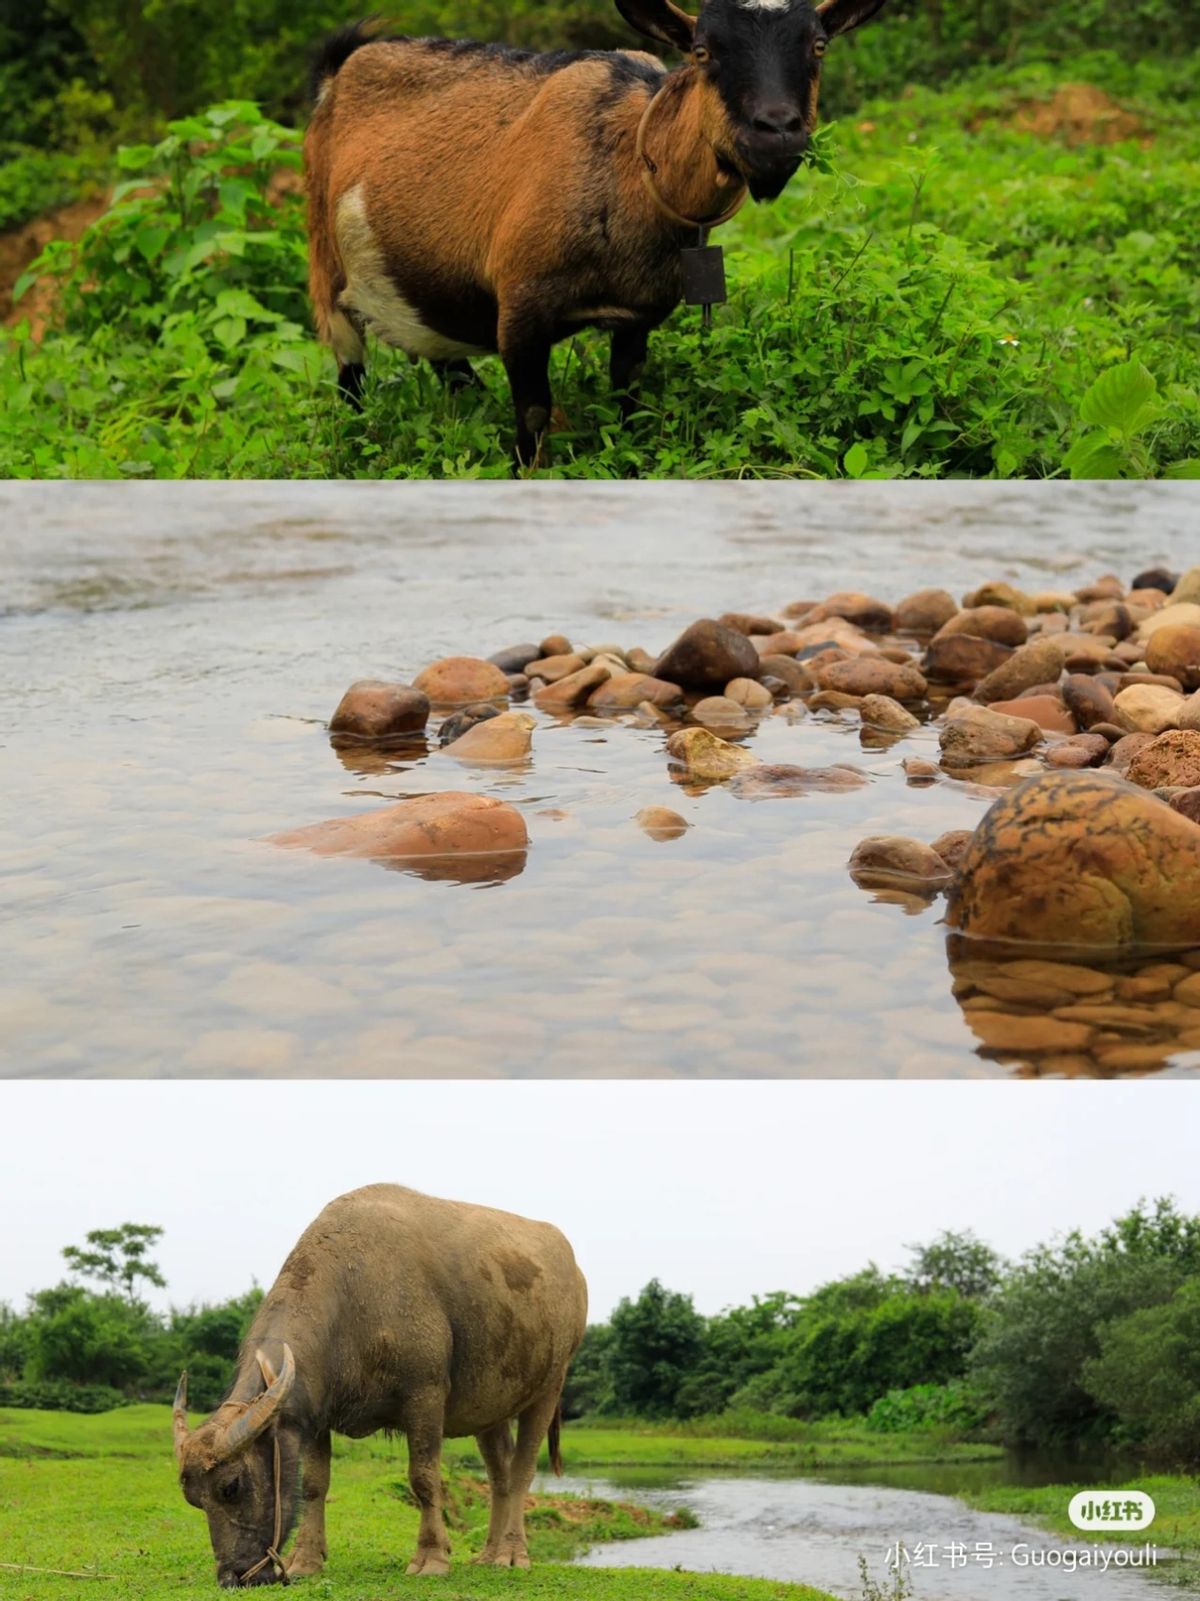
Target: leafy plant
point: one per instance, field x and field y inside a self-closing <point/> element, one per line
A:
<point x="1121" y="408"/>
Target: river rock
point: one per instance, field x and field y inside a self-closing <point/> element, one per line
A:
<point x="1047" y="711"/>
<point x="718" y="711"/>
<point x="1181" y="614"/>
<point x="1176" y="651"/>
<point x="864" y="611"/>
<point x="372" y="711"/>
<point x="1081" y="859"/>
<point x="707" y="757"/>
<point x="456" y="725"/>
<point x="1010" y="1031"/>
<point x="963" y="658"/>
<point x="1156" y="578"/>
<point x="1149" y="709"/>
<point x="459" y="680"/>
<point x="640" y="661"/>
<point x="1085" y="652"/>
<point x="551" y="668"/>
<point x="924" y="612"/>
<point x="495" y="740"/>
<point x="781" y="780"/>
<point x="1082" y="750"/>
<point x="1171" y="760"/>
<point x="784" y="643"/>
<point x="873" y="675"/>
<point x="573" y="690"/>
<point x="1108" y="587"/>
<point x="1088" y="701"/>
<point x="1187" y="803"/>
<point x="1189" y="715"/>
<point x="979" y="735"/>
<point x="952" y="846"/>
<point x="555" y="645"/>
<point x="625" y="691"/>
<point x="747" y="623"/>
<point x="1038" y="662"/>
<point x="450" y="823"/>
<point x="918" y="771"/>
<point x="1001" y="594"/>
<point x="1125" y="749"/>
<point x="882" y="712"/>
<point x="1187" y="588"/>
<point x="660" y="822"/>
<point x="515" y="658"/>
<point x="707" y="655"/>
<point x="893" y="859"/>
<point x="998" y="623"/>
<point x="751" y="693"/>
<point x="792" y="673"/>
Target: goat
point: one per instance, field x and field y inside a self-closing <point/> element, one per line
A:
<point x="469" y="198"/>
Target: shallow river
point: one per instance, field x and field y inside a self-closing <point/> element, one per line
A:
<point x="169" y="656"/>
<point x="814" y="1532"/>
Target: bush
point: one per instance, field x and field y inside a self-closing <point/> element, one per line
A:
<point x="1148" y="1375"/>
<point x="58" y="1396"/>
<point x="956" y="1407"/>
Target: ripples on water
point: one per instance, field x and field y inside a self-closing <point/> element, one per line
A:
<point x="168" y="659"/>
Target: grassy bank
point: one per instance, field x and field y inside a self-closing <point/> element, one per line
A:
<point x="98" y="1496"/>
<point x="939" y="296"/>
<point x="1176" y="1499"/>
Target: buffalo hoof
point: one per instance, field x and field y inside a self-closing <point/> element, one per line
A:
<point x="429" y="1562"/>
<point x="304" y="1565"/>
<point x="509" y="1555"/>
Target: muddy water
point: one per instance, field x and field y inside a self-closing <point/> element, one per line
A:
<point x="168" y="658"/>
<point x="814" y="1533"/>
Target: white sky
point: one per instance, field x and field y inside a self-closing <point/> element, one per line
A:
<point x="722" y="1189"/>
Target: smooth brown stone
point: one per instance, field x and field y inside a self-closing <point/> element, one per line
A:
<point x="1124" y="750"/>
<point x="372" y="711"/>
<point x="952" y="846"/>
<point x="1083" y="750"/>
<point x="778" y="780"/>
<point x="1172" y="760"/>
<point x="979" y="735"/>
<point x="463" y="831"/>
<point x="997" y="623"/>
<point x="918" y="771"/>
<point x="1140" y="678"/>
<point x="1109" y="587"/>
<point x="555" y="645"/>
<point x="792" y="673"/>
<point x="515" y="658"/>
<point x="885" y="713"/>
<point x="1149" y="710"/>
<point x="707" y="757"/>
<point x="551" y="668"/>
<point x="661" y="823"/>
<point x="1188" y="990"/>
<point x="1185" y="613"/>
<point x="924" y="612"/>
<point x="1187" y="803"/>
<point x="707" y="655"/>
<point x="872" y="675"/>
<point x="783" y="643"/>
<point x="1088" y="701"/>
<point x="1005" y="1031"/>
<point x="864" y="611"/>
<point x="962" y="658"/>
<point x="573" y="690"/>
<point x="747" y="623"/>
<point x="750" y="693"/>
<point x="1081" y="859"/>
<point x="626" y="691"/>
<point x="1044" y="710"/>
<point x="834" y="700"/>
<point x="718" y="711"/>
<point x="495" y="740"/>
<point x="1000" y="594"/>
<point x="640" y="661"/>
<point x="1114" y="619"/>
<point x="458" y="680"/>
<point x="1175" y="651"/>
<point x="1038" y="662"/>
<point x="1187" y="587"/>
<point x="885" y="859"/>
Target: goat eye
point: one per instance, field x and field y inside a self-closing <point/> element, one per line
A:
<point x="820" y="46"/>
<point x="701" y="55"/>
<point x="229" y="1492"/>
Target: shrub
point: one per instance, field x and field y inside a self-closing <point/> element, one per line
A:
<point x="58" y="1396"/>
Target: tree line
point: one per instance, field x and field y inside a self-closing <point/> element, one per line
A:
<point x="1085" y="1341"/>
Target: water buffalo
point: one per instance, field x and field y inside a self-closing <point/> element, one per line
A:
<point x="393" y="1311"/>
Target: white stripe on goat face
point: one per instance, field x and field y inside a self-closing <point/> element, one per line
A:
<point x="765" y="5"/>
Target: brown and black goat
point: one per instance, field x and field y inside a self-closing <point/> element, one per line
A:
<point x="468" y="198"/>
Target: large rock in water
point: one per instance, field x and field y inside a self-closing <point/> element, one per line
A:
<point x="372" y="711"/>
<point x="450" y="834"/>
<point x="459" y="680"/>
<point x="706" y="656"/>
<point x="1081" y="859"/>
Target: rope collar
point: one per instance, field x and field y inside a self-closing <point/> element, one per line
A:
<point x="272" y="1552"/>
<point x="649" y="171"/>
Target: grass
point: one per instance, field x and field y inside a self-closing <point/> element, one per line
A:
<point x="98" y="1496"/>
<point x="938" y="297"/>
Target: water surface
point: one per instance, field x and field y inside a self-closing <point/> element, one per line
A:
<point x="168" y="659"/>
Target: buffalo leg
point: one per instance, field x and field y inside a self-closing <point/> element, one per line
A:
<point x="424" y="1431"/>
<point x="525" y="350"/>
<point x="310" y="1550"/>
<point x="627" y="358"/>
<point x="531" y="1431"/>
<point x="496" y="1448"/>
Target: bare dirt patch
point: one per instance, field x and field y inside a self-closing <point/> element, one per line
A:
<point x="1080" y="114"/>
<point x="22" y="245"/>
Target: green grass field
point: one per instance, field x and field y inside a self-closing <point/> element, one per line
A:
<point x="941" y="296"/>
<point x="98" y="1496"/>
<point x="1176" y="1498"/>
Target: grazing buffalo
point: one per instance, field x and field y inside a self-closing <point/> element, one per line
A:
<point x="400" y="1312"/>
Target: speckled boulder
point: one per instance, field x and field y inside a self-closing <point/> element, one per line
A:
<point x="1171" y="761"/>
<point x="1081" y="859"/>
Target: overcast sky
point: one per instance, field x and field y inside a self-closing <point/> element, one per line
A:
<point x="721" y="1189"/>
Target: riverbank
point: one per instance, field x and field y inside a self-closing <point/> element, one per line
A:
<point x="1176" y="1523"/>
<point x="96" y="1497"/>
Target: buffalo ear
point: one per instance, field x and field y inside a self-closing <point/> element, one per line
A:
<point x="839" y="16"/>
<point x="659" y="19"/>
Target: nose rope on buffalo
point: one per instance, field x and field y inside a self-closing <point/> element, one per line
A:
<point x="702" y="267"/>
<point x="272" y="1553"/>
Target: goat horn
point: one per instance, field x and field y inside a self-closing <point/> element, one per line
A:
<point x="179" y="1417"/>
<point x="243" y="1431"/>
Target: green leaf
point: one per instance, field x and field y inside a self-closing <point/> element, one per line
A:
<point x="1094" y="456"/>
<point x="1184" y="469"/>
<point x="149" y="241"/>
<point x="856" y="461"/>
<point x="1123" y="399"/>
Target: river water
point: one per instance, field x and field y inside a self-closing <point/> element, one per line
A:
<point x="169" y="656"/>
<point x="814" y="1532"/>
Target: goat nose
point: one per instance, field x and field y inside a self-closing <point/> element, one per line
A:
<point x="784" y="121"/>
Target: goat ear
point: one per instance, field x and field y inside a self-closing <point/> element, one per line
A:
<point x="839" y="16"/>
<point x="659" y="19"/>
